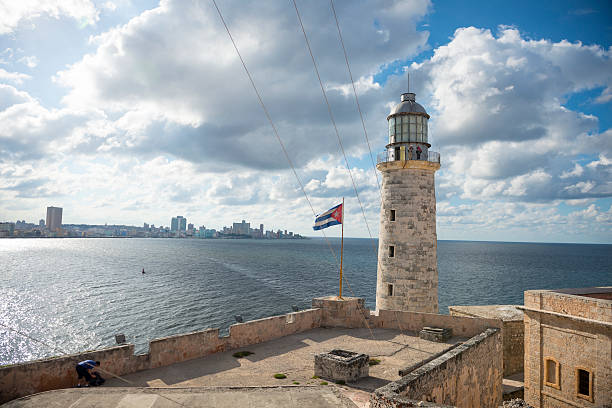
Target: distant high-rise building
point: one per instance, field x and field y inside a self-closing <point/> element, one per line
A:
<point x="41" y="223"/>
<point x="190" y="227"/>
<point x="7" y="229"/>
<point x="261" y="229"/>
<point x="179" y="223"/>
<point x="241" y="228"/>
<point x="145" y="226"/>
<point x="54" y="218"/>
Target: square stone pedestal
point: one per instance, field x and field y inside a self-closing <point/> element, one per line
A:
<point x="349" y="312"/>
<point x="342" y="365"/>
<point x="438" y="334"/>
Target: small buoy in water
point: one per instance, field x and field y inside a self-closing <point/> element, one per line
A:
<point x="143" y="271"/>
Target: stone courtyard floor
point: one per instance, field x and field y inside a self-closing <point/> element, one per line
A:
<point x="292" y="356"/>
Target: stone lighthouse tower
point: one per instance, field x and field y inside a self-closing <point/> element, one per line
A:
<point x="407" y="277"/>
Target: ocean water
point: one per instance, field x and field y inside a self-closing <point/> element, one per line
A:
<point x="73" y="295"/>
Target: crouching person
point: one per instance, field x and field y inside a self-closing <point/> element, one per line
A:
<point x="83" y="370"/>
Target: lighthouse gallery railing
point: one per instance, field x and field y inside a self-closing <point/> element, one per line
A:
<point x="388" y="156"/>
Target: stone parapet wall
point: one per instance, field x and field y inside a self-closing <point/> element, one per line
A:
<point x="352" y="313"/>
<point x="468" y="376"/>
<point x="414" y="322"/>
<point x="182" y="347"/>
<point x="18" y="380"/>
<point x="32" y="377"/>
<point x="270" y="328"/>
<point x="570" y="304"/>
<point x="513" y="330"/>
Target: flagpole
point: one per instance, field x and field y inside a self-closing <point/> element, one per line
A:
<point x="341" y="249"/>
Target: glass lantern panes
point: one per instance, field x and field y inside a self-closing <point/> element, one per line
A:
<point x="408" y="128"/>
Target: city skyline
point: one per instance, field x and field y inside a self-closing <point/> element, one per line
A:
<point x="520" y="98"/>
<point x="178" y="228"/>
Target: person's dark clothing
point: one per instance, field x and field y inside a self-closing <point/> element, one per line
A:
<point x="82" y="372"/>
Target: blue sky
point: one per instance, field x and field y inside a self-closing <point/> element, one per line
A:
<point x="131" y="111"/>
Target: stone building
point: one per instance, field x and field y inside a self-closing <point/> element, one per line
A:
<point x="568" y="347"/>
<point x="407" y="276"/>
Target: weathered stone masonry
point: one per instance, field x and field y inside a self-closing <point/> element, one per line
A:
<point x="567" y="330"/>
<point x="409" y="190"/>
<point x="468" y="376"/>
<point x="54" y="373"/>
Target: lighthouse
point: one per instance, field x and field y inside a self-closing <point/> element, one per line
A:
<point x="407" y="275"/>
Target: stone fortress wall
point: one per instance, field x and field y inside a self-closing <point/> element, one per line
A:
<point x="469" y="375"/>
<point x="58" y="372"/>
<point x="567" y="330"/>
<point x="514" y="331"/>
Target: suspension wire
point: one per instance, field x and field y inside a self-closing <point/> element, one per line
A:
<point x="263" y="106"/>
<point x="282" y="145"/>
<point x="331" y="116"/>
<point x="348" y="67"/>
<point x="55" y="348"/>
<point x="341" y="148"/>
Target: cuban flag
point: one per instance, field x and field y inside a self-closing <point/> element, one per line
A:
<point x="333" y="216"/>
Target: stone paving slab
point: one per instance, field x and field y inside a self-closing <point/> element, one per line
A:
<point x="215" y="397"/>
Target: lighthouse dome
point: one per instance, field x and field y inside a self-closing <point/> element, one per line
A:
<point x="408" y="105"/>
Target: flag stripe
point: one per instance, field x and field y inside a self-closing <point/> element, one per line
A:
<point x="325" y="225"/>
<point x="326" y="220"/>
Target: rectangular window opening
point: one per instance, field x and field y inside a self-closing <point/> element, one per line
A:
<point x="389" y="290"/>
<point x="551" y="372"/>
<point x="392" y="216"/>
<point x="391" y="251"/>
<point x="584" y="383"/>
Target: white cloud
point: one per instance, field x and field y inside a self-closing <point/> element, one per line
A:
<point x="6" y="55"/>
<point x="606" y="96"/>
<point x="498" y="115"/>
<point x="582" y="187"/>
<point x="10" y="96"/>
<point x="30" y="62"/>
<point x="15" y="77"/>
<point x="12" y="13"/>
<point x="577" y="171"/>
<point x="603" y="162"/>
<point x="109" y="5"/>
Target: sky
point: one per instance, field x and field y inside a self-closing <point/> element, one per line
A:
<point x="126" y="112"/>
